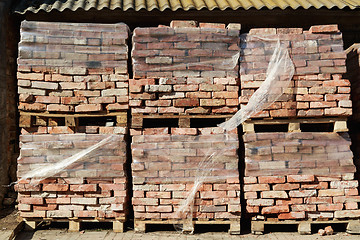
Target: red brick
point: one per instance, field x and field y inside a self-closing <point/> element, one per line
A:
<point x="183" y="131"/>
<point x="83" y="188"/>
<point x="275" y="209"/>
<point x="156" y="131"/>
<point x="291" y="215"/>
<point x="271" y="179"/>
<point x="256" y="187"/>
<point x="324" y="29"/>
<point x="55" y="187"/>
<point x="300" y="178"/>
<point x="331" y="192"/>
<point x="88" y="108"/>
<point x="30" y="76"/>
<point x="330" y="207"/>
<point x="347" y="214"/>
<point x="186" y="102"/>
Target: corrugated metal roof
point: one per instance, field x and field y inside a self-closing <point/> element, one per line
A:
<point x="48" y="5"/>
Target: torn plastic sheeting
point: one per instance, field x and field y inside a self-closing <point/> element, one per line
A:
<point x="180" y="158"/>
<point x="308" y="153"/>
<point x="175" y="164"/>
<point x="89" y="155"/>
<point x="278" y="76"/>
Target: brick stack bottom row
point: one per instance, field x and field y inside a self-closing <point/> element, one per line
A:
<point x="305" y="175"/>
<point x="167" y="163"/>
<point x="95" y="186"/>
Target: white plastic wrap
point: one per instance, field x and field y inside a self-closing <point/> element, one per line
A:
<point x="71" y="155"/>
<point x="278" y="76"/>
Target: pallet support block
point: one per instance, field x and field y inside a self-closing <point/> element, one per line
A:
<point x="118" y="226"/>
<point x="30" y="225"/>
<point x="74" y="226"/>
<point x="139" y="226"/>
<point x="188" y="226"/>
<point x="353" y="227"/>
<point x="304" y="228"/>
<point x="257" y="228"/>
<point x="294" y="127"/>
<point x="340" y="126"/>
<point x="235" y="227"/>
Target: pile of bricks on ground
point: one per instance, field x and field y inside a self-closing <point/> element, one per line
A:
<point x="166" y="164"/>
<point x="185" y="69"/>
<point x="317" y="89"/>
<point x="73" y="67"/>
<point x="94" y="186"/>
<point x="306" y="175"/>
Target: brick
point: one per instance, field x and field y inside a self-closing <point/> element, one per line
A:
<point x="291" y="215"/>
<point x="31" y="76"/>
<point x="344" y="184"/>
<point x="84" y="201"/>
<point x="183" y="131"/>
<point x="88" y="108"/>
<point x="274" y="194"/>
<point x="331" y="192"/>
<point x="83" y="188"/>
<point x="330" y="207"/>
<point x="303" y="193"/>
<point x="55" y="187"/>
<point x="300" y="178"/>
<point x="347" y="214"/>
<point x="186" y="102"/>
<point x="31" y="200"/>
<point x="274" y="209"/>
<point x="59" y="108"/>
<point x="324" y="29"/>
<point x="59" y="214"/>
<point x="303" y="207"/>
<point x="256" y="187"/>
<point x="271" y="179"/>
<point x="260" y="202"/>
<point x="72" y="85"/>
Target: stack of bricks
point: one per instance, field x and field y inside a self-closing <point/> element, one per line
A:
<point x="166" y="164"/>
<point x="303" y="175"/>
<point x="185" y="69"/>
<point x="73" y="67"/>
<point x="94" y="186"/>
<point x="317" y="88"/>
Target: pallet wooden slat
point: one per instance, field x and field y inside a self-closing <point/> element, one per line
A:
<point x="28" y="119"/>
<point x="294" y="125"/>
<point x="184" y="121"/>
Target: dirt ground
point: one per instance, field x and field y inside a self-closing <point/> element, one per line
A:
<point x="8" y="219"/>
<point x="130" y="235"/>
<point x="58" y="231"/>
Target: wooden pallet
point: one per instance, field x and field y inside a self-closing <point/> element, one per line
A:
<point x="183" y="121"/>
<point x="304" y="227"/>
<point x="75" y="223"/>
<point x="188" y="226"/>
<point x="30" y="119"/>
<point x="295" y="125"/>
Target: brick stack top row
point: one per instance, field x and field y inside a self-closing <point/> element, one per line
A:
<point x="182" y="69"/>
